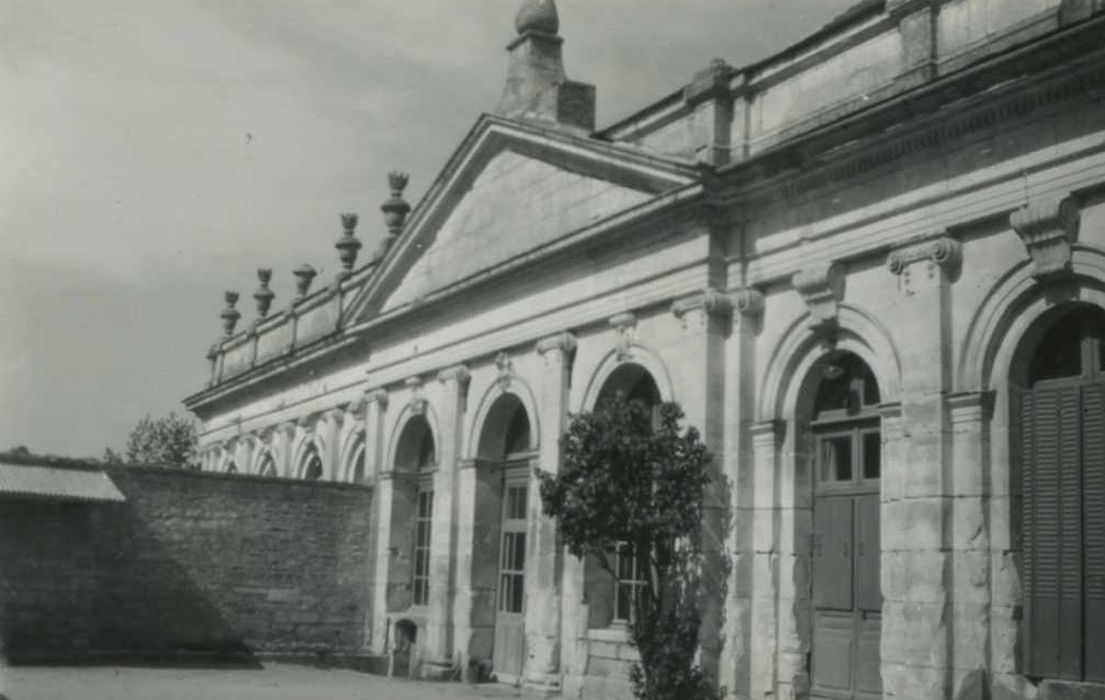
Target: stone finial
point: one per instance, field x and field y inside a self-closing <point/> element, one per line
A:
<point x="348" y="245"/>
<point x="537" y="16"/>
<point x="230" y="315"/>
<point x="264" y="296"/>
<point x="1048" y="228"/>
<point x="304" y="275"/>
<point x="537" y="87"/>
<point x="821" y="286"/>
<point x="395" y="210"/>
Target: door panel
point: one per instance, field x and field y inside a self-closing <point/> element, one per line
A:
<point x="868" y="553"/>
<point x="832" y="553"/>
<point x="832" y="650"/>
<point x="846" y="554"/>
<point x="508" y="658"/>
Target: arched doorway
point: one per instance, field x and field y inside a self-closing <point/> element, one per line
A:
<point x="1058" y="446"/>
<point x="500" y="544"/>
<point x="409" y="580"/>
<point x="840" y="407"/>
<point x="611" y="588"/>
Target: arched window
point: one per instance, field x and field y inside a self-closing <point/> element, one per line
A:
<point x="267" y="467"/>
<point x="415" y="459"/>
<point x="231" y="467"/>
<point x="358" y="464"/>
<point x="1058" y="448"/>
<point x="612" y="594"/>
<point x="312" y="464"/>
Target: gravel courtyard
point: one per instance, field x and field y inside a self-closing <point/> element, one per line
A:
<point x="274" y="682"/>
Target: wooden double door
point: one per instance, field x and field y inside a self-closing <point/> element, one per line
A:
<point x="509" y="655"/>
<point x="845" y="555"/>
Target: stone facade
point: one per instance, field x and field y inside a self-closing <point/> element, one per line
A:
<point x="917" y="189"/>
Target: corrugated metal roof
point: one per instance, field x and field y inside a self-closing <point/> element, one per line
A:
<point x="58" y="483"/>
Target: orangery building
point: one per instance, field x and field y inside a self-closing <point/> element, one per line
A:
<point x="871" y="270"/>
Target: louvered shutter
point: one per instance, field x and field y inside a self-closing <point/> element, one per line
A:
<point x="1093" y="509"/>
<point x="1050" y="425"/>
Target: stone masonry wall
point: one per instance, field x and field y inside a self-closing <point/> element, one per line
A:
<point x="192" y="565"/>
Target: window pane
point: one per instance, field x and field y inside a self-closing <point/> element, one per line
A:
<point x="519" y="558"/>
<point x="872" y="455"/>
<point x="836" y="458"/>
<point x="625" y="603"/>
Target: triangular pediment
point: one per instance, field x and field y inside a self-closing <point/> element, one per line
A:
<point x="510" y="190"/>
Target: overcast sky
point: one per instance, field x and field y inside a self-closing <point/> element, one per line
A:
<point x="156" y="152"/>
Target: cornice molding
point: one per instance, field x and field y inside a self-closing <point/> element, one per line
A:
<point x="1048" y="228"/>
<point x="772" y="177"/>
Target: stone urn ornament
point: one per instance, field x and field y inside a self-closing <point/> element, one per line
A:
<point x="348" y="245"/>
<point x="230" y="315"/>
<point x="264" y="296"/>
<point x="304" y="275"/>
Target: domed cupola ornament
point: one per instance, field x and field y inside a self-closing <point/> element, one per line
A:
<point x="538" y="16"/>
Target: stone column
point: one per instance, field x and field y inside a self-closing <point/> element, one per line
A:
<point x="544" y="624"/>
<point x="918" y="488"/>
<point x="381" y="505"/>
<point x="766" y="439"/>
<point x="970" y="538"/>
<point x="734" y="669"/>
<point x="706" y="318"/>
<point x="282" y="448"/>
<point x="438" y="647"/>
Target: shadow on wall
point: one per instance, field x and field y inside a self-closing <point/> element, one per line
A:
<point x="89" y="583"/>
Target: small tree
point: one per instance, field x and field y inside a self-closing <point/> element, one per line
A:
<point x="169" y="440"/>
<point x="631" y="474"/>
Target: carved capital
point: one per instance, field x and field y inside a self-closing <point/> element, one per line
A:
<point x="748" y="301"/>
<point x="938" y="255"/>
<point x="1048" y="228"/>
<point x="564" y="343"/>
<point x="378" y="397"/>
<point x="945" y="252"/>
<point x="624" y="323"/>
<point x="711" y="301"/>
<point x="457" y="373"/>
<point x="821" y="286"/>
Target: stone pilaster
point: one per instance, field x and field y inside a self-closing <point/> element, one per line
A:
<point x="735" y="661"/>
<point x="437" y="649"/>
<point x="917" y="486"/>
<point x="543" y="569"/>
<point x="970" y="534"/>
<point x="377" y="404"/>
<point x="706" y="320"/>
<point x="766" y="442"/>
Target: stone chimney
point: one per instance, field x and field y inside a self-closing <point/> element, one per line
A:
<point x="536" y="85"/>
